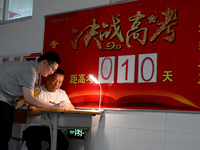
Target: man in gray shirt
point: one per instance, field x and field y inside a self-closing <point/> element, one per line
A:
<point x="18" y="79"/>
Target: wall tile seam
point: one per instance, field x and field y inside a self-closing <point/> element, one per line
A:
<point x="186" y="132"/>
<point x="102" y="126"/>
<point x="128" y="128"/>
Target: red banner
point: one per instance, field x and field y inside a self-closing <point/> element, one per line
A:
<point x="145" y="54"/>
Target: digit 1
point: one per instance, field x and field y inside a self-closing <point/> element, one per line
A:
<point x="126" y="70"/>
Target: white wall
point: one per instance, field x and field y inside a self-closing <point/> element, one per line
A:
<point x="140" y="130"/>
<point x="26" y="37"/>
<point x="115" y="130"/>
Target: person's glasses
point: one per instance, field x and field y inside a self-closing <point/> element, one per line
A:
<point x="53" y="69"/>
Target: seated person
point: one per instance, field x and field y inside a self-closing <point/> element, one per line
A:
<point x="34" y="134"/>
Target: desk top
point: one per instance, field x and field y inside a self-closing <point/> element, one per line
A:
<point x="83" y="111"/>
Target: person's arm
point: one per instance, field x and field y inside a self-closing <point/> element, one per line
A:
<point x="34" y="101"/>
<point x="30" y="112"/>
<point x="68" y="106"/>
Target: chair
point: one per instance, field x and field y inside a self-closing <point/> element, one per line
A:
<point x="19" y="118"/>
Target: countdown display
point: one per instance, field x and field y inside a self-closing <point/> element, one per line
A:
<point x="144" y="54"/>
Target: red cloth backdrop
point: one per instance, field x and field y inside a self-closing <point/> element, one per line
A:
<point x="144" y="53"/>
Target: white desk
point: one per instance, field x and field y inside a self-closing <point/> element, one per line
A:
<point x="67" y="119"/>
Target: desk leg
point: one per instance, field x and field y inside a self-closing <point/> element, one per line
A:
<point x="55" y="128"/>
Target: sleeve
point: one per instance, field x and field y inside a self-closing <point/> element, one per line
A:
<point x="27" y="77"/>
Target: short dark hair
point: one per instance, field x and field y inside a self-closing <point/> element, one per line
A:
<point x="59" y="71"/>
<point x="51" y="57"/>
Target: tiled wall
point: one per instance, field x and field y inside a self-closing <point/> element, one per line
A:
<point x="136" y="130"/>
<point x="140" y="130"/>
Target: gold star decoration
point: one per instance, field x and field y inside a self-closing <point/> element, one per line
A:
<point x="152" y="19"/>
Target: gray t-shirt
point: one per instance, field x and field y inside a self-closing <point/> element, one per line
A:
<point x="14" y="75"/>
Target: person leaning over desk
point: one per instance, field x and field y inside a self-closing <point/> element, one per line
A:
<point x="18" y="79"/>
<point x="34" y="134"/>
